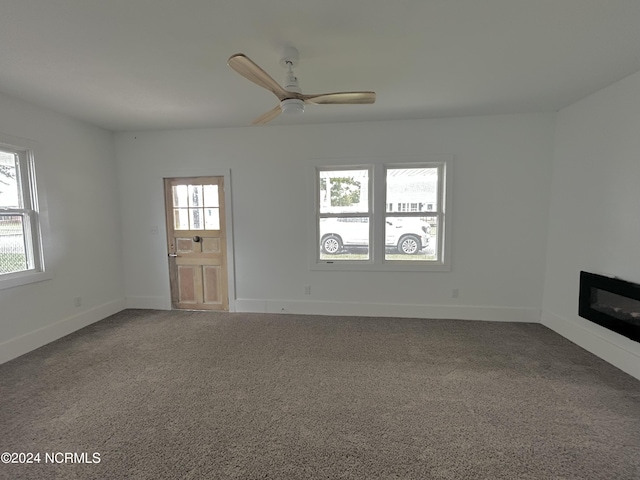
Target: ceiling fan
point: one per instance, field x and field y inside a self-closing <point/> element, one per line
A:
<point x="292" y="100"/>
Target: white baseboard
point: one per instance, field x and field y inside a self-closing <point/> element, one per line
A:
<point x="500" y="314"/>
<point x="152" y="303"/>
<point x="15" y="347"/>
<point x="609" y="346"/>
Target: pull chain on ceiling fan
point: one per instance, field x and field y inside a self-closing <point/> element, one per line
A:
<point x="292" y="100"/>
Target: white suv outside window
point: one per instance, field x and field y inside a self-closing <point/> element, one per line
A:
<point x="408" y="235"/>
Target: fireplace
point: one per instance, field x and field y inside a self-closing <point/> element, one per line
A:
<point x="611" y="303"/>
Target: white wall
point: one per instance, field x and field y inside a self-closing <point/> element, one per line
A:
<point x="595" y="213"/>
<point x="75" y="163"/>
<point x="503" y="193"/>
<point x="501" y="185"/>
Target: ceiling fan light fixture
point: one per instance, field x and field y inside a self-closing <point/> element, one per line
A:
<point x="292" y="106"/>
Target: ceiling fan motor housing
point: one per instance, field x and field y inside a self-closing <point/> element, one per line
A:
<point x="292" y="105"/>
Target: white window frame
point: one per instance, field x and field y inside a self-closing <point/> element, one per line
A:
<point x="368" y="214"/>
<point x="377" y="214"/>
<point x="33" y="198"/>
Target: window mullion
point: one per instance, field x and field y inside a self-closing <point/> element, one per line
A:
<point x="378" y="208"/>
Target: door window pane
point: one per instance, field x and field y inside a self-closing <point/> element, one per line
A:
<point x="412" y="189"/>
<point x="344" y="191"/>
<point x="196" y="218"/>
<point x="180" y="196"/>
<point x="13" y="256"/>
<point x="344" y="238"/>
<point x="195" y="195"/>
<point x="211" y="196"/>
<point x="411" y="238"/>
<point x="181" y="218"/>
<point x="212" y="219"/>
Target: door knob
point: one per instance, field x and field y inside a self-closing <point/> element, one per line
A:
<point x="173" y="254"/>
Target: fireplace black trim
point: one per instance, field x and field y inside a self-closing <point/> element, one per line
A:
<point x="589" y="281"/>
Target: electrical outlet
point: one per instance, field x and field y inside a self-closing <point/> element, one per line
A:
<point x="77" y="301"/>
<point x="455" y="293"/>
<point x="307" y="289"/>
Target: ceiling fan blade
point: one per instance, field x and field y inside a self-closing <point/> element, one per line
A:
<point x="251" y="71"/>
<point x="267" y="117"/>
<point x="340" y="98"/>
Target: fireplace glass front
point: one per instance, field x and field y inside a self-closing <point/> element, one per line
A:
<point x="612" y="303"/>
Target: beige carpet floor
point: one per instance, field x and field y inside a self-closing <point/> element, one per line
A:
<point x="192" y="395"/>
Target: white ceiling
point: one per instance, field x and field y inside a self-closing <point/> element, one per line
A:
<point x="158" y="64"/>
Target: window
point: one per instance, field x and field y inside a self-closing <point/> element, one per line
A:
<point x="381" y="217"/>
<point x="20" y="240"/>
<point x="411" y="234"/>
<point x="344" y="214"/>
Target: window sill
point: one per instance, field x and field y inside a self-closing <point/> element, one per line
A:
<point x="23" y="278"/>
<point x="346" y="266"/>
